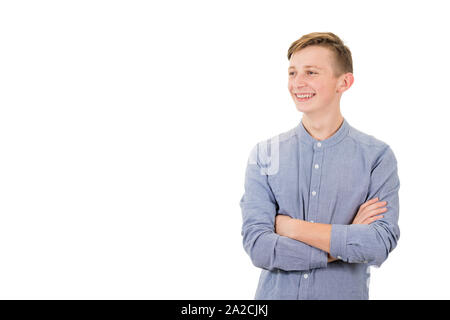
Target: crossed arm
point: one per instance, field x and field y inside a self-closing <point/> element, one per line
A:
<point x="318" y="235"/>
<point x="279" y="242"/>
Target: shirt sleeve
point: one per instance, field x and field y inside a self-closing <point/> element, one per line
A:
<point x="372" y="243"/>
<point x="267" y="249"/>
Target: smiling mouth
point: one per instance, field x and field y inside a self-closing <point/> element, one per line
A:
<point x="304" y="97"/>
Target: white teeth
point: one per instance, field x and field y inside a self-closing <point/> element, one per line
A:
<point x="304" y="95"/>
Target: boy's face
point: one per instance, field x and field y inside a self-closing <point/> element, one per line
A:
<point x="311" y="71"/>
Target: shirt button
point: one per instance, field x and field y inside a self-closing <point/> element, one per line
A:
<point x="313" y="193"/>
<point x="319" y="144"/>
<point x="316" y="166"/>
<point x="305" y="276"/>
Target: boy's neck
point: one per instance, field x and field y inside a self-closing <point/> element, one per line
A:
<point x="323" y="127"/>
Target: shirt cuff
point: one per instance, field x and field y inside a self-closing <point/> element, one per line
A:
<point x="319" y="258"/>
<point x="338" y="241"/>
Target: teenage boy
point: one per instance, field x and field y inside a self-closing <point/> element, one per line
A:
<point x="321" y="200"/>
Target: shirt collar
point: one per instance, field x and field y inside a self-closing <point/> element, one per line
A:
<point x="337" y="137"/>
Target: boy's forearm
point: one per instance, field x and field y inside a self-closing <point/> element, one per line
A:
<point x="317" y="235"/>
<point x="314" y="234"/>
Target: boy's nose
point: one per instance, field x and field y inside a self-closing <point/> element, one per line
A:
<point x="299" y="81"/>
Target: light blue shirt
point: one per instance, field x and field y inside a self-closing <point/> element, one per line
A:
<point x="324" y="182"/>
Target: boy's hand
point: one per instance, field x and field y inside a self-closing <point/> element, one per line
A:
<point x="368" y="211"/>
<point x="331" y="259"/>
<point x="283" y="225"/>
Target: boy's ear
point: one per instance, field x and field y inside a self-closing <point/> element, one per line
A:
<point x="347" y="81"/>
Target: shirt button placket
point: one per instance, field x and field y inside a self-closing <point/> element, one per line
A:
<point x="315" y="181"/>
<point x="304" y="285"/>
<point x="312" y="214"/>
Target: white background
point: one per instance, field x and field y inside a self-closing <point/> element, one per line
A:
<point x="125" y="128"/>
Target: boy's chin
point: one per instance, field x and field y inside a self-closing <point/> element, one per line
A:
<point x="305" y="108"/>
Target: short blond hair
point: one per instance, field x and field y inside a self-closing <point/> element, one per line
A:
<point x="342" y="55"/>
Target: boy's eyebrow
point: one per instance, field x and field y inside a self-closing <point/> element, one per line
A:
<point x="292" y="67"/>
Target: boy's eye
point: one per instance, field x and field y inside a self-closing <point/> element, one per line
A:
<point x="308" y="72"/>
